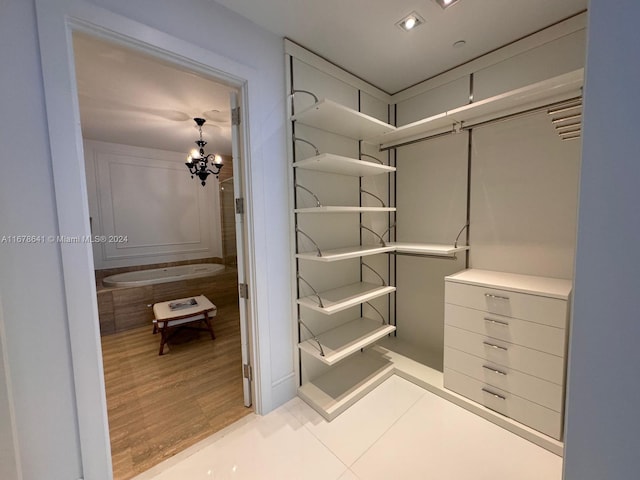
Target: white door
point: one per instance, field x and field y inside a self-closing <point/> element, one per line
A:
<point x="236" y="147"/>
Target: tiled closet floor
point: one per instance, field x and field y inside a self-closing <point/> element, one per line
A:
<point x="397" y="431"/>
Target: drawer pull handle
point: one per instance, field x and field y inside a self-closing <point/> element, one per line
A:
<point x="497" y="322"/>
<point x="493" y="370"/>
<point x="495" y="297"/>
<point x="497" y="347"/>
<point x="493" y="394"/>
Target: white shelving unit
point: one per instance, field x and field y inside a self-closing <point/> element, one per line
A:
<point x="345" y="253"/>
<point x="340" y="342"/>
<point x="345" y="383"/>
<point x="332" y="117"/>
<point x="351" y="374"/>
<point x="555" y="89"/>
<point x="329" y="163"/>
<point x="338" y="299"/>
<point x="340" y="364"/>
<point x="342" y="209"/>
<point x="430" y="249"/>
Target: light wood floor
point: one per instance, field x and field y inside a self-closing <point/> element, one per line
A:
<point x="160" y="405"/>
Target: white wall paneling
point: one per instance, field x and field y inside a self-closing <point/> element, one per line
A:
<point x="147" y="196"/>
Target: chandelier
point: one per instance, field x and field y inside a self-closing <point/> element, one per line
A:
<point x="198" y="162"/>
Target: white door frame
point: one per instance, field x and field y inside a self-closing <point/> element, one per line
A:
<point x="57" y="19"/>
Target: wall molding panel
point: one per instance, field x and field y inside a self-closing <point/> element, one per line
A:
<point x="145" y="208"/>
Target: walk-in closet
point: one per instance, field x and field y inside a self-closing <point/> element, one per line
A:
<point x="434" y="230"/>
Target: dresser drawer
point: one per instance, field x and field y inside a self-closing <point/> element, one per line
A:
<point x="528" y="334"/>
<point x="531" y="388"/>
<point x="538" y="309"/>
<point x="533" y="362"/>
<point x="536" y="416"/>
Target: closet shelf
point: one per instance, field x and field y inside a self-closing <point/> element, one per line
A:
<point x="343" y="385"/>
<point x="332" y="117"/>
<point x="330" y="163"/>
<point x="427" y="248"/>
<point x="345" y="253"/>
<point x="337" y="209"/>
<point x="554" y="89"/>
<point x="348" y="296"/>
<point x="364" y="251"/>
<point x="345" y="340"/>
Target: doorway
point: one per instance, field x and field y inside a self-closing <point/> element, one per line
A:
<point x="137" y="117"/>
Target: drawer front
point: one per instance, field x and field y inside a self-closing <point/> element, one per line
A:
<point x="531" y="388"/>
<point x="535" y="416"/>
<point x="526" y="360"/>
<point x="528" y="334"/>
<point x="545" y="310"/>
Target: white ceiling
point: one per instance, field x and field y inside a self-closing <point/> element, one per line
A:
<point x="361" y="35"/>
<point x="129" y="98"/>
<point x="133" y="99"/>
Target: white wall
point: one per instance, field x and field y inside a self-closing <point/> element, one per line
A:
<point x="524" y="198"/>
<point x="603" y="423"/>
<point x="37" y="341"/>
<point x="8" y="457"/>
<point x="148" y="196"/>
<point x="431" y="199"/>
<point x="38" y="347"/>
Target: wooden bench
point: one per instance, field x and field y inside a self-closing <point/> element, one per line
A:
<point x="180" y="313"/>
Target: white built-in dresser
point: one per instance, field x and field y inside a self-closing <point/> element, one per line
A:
<point x="505" y="344"/>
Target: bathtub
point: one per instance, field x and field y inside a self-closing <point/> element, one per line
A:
<point x="162" y="275"/>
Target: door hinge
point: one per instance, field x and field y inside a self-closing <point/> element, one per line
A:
<point x="243" y="290"/>
<point x="240" y="206"/>
<point x="247" y="371"/>
<point x="235" y="116"/>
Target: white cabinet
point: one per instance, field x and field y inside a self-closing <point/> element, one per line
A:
<point x="505" y="344"/>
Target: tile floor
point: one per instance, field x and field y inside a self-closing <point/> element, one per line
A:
<point x="397" y="431"/>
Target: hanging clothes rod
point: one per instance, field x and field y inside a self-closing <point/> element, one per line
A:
<point x="457" y="128"/>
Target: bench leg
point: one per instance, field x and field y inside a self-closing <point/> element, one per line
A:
<point x="163" y="339"/>
<point x="207" y="320"/>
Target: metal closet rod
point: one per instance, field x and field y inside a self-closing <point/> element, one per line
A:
<point x="456" y="129"/>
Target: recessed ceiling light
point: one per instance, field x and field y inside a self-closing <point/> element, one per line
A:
<point x="459" y="43"/>
<point x="410" y="21"/>
<point x="446" y="3"/>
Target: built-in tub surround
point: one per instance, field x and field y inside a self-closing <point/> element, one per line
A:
<point x="154" y="276"/>
<point x="124" y="307"/>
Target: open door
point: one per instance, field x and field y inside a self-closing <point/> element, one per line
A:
<point x="243" y="288"/>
